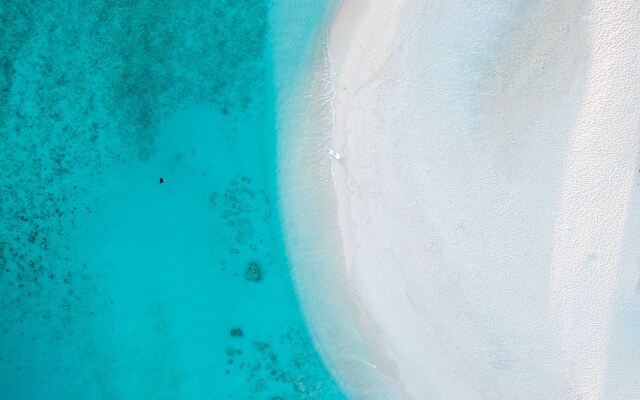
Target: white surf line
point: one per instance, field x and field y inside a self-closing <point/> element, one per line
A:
<point x="594" y="202"/>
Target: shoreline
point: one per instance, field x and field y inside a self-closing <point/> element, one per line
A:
<point x="313" y="242"/>
<point x="456" y="192"/>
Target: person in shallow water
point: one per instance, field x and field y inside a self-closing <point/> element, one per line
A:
<point x="161" y="181"/>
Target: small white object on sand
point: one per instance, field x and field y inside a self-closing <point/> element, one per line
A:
<point x="334" y="154"/>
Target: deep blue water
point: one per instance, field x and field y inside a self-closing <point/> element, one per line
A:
<point x="114" y="286"/>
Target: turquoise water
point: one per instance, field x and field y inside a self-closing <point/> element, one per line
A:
<point x="115" y="286"/>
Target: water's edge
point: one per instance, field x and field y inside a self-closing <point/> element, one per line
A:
<point x="306" y="124"/>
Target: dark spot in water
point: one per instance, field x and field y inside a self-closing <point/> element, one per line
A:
<point x="236" y="332"/>
<point x="244" y="207"/>
<point x="253" y="272"/>
<point x="213" y="198"/>
<point x="261" y="346"/>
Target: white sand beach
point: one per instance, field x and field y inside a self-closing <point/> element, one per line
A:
<point x="488" y="197"/>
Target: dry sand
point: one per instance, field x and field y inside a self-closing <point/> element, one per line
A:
<point x="488" y="194"/>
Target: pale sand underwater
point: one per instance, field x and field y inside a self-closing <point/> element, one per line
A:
<point x="487" y="242"/>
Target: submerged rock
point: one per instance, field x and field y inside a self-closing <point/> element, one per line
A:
<point x="236" y="332"/>
<point x="252" y="272"/>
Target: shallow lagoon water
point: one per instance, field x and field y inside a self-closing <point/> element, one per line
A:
<point x="117" y="286"/>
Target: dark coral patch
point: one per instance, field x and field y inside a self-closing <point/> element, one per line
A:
<point x="253" y="272"/>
